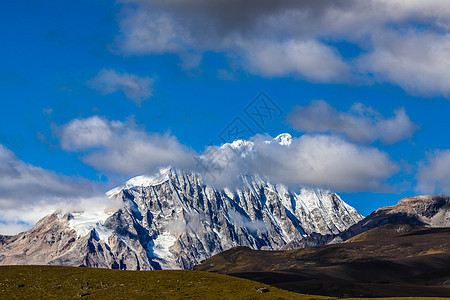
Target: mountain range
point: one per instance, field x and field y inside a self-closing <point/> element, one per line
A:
<point x="176" y="219"/>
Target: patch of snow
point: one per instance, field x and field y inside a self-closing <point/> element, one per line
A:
<point x="284" y="139"/>
<point x="217" y="232"/>
<point x="229" y="193"/>
<point x="84" y="222"/>
<point x="161" y="250"/>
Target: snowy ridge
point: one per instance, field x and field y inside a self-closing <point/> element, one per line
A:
<point x="143" y="181"/>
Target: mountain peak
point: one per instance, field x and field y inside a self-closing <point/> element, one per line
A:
<point x="284" y="139"/>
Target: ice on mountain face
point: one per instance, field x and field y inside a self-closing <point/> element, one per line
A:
<point x="229" y="193"/>
<point x="218" y="233"/>
<point x="84" y="222"/>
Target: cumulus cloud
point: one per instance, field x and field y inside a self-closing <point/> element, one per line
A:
<point x="134" y="87"/>
<point x="28" y="193"/>
<point x="418" y="62"/>
<point x="122" y="148"/>
<point x="434" y="173"/>
<point x="297" y="38"/>
<point x="361" y="124"/>
<point x="182" y="27"/>
<point x="21" y="183"/>
<point x="308" y="59"/>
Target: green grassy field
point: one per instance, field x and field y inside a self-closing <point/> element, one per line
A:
<point x="31" y="282"/>
<point x="47" y="282"/>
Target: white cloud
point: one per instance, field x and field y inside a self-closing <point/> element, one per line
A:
<point x="434" y="173"/>
<point x="418" y="62"/>
<point x="296" y="38"/>
<point x="135" y="88"/>
<point x="21" y="183"/>
<point x="12" y="228"/>
<point x="308" y="59"/>
<point x="88" y="133"/>
<point x="361" y="124"/>
<point x="145" y="32"/>
<point x="27" y="193"/>
<point x="171" y="27"/>
<point x="123" y="148"/>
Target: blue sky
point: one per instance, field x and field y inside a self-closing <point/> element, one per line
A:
<point x="79" y="78"/>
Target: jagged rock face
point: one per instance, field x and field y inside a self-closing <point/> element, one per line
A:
<point x="175" y="220"/>
<point x="4" y="239"/>
<point x="188" y="221"/>
<point x="52" y="241"/>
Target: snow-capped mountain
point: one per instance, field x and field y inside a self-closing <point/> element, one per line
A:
<point x="175" y="219"/>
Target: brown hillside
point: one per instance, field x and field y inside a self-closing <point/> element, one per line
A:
<point x="392" y="260"/>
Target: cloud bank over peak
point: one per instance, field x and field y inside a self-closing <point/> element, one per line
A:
<point x="27" y="193"/>
<point x="360" y="124"/>
<point x="314" y="160"/>
<point x="309" y="160"/>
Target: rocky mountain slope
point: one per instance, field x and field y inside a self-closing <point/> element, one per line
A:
<point x="425" y="210"/>
<point x="175" y="220"/>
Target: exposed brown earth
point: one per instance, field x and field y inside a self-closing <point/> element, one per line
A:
<point x="392" y="260"/>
